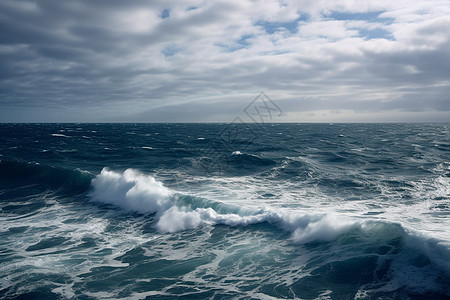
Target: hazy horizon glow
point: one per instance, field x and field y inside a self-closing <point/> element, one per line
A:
<point x="205" y="61"/>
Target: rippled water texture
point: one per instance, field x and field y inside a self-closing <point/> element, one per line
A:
<point x="309" y="211"/>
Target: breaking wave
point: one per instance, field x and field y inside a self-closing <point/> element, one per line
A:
<point x="134" y="191"/>
<point x="142" y="193"/>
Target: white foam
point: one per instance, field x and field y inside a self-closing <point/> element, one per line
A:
<point x="134" y="191"/>
<point x="131" y="191"/>
<point x="176" y="219"/>
<point x="65" y="291"/>
<point x="138" y="192"/>
<point x="326" y="228"/>
<point x="59" y="135"/>
<point x="305" y="228"/>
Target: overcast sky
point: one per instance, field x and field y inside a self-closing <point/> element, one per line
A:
<point x="205" y="61"/>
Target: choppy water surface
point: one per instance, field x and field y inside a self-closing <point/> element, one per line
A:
<point x="309" y="211"/>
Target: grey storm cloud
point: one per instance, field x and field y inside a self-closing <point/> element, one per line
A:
<point x="166" y="61"/>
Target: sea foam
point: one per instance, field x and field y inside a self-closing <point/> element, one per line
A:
<point x="131" y="190"/>
<point x="174" y="212"/>
<point x="142" y="193"/>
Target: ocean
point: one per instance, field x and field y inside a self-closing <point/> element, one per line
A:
<point x="225" y="211"/>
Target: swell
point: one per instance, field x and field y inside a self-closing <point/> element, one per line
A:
<point x="134" y="191"/>
<point x="398" y="254"/>
<point x="15" y="173"/>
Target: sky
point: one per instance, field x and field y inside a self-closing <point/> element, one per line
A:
<point x="207" y="61"/>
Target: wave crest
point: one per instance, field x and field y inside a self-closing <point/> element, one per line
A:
<point x="131" y="190"/>
<point x="141" y="193"/>
<point x="174" y="212"/>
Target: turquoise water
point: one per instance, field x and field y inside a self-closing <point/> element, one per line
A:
<point x="220" y="211"/>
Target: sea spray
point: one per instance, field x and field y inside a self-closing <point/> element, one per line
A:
<point x="132" y="190"/>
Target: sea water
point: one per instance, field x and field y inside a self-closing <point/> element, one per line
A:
<point x="225" y="211"/>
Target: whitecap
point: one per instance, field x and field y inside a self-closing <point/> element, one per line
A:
<point x="142" y="193"/>
<point x="59" y="135"/>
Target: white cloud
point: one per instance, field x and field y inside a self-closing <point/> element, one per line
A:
<point x="121" y="58"/>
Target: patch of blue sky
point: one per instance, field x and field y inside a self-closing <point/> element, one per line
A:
<point x="170" y="51"/>
<point x="240" y="44"/>
<point x="372" y="16"/>
<point x="274" y="53"/>
<point x="369" y="17"/>
<point x="291" y="26"/>
<point x="165" y="14"/>
<point x="243" y="41"/>
<point x="377" y="33"/>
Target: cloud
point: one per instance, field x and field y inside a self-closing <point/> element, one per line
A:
<point x="158" y="60"/>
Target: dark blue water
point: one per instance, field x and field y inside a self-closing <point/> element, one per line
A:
<point x="220" y="211"/>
